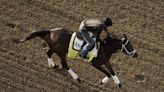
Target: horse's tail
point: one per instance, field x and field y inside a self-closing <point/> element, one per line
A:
<point x="40" y="34"/>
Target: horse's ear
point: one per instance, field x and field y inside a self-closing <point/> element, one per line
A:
<point x="125" y="36"/>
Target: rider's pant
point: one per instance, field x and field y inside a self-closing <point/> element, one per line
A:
<point x="89" y="45"/>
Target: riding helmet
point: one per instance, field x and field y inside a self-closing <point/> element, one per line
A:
<point x="108" y="22"/>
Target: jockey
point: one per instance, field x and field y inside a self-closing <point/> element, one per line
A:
<point x="92" y="28"/>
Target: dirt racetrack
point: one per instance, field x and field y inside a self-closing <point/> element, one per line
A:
<point x="24" y="68"/>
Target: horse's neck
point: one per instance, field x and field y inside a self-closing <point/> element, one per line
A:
<point x="113" y="45"/>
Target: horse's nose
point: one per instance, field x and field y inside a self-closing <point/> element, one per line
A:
<point x="135" y="55"/>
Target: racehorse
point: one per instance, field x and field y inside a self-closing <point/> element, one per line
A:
<point x="58" y="41"/>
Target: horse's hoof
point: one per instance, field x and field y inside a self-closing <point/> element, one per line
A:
<point x="79" y="80"/>
<point x="52" y="66"/>
<point x="119" y="85"/>
<point x="16" y="40"/>
<point x="55" y="66"/>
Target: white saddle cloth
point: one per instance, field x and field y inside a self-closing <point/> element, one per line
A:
<point x="78" y="43"/>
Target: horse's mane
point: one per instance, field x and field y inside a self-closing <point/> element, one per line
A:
<point x="110" y="39"/>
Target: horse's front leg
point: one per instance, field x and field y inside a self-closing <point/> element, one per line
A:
<point x="50" y="61"/>
<point x="114" y="76"/>
<point x="99" y="67"/>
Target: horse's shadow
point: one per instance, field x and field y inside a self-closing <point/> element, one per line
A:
<point x="60" y="70"/>
<point x="80" y="84"/>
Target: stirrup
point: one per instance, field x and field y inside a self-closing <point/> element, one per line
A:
<point x="82" y="56"/>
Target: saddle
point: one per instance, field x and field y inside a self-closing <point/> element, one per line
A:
<point x="77" y="43"/>
<point x="80" y="41"/>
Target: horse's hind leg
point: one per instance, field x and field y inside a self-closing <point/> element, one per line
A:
<point x="50" y="61"/>
<point x="114" y="76"/>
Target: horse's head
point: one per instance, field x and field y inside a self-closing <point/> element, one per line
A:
<point x="115" y="44"/>
<point x="127" y="47"/>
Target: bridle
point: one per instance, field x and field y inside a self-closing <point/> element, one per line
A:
<point x="130" y="53"/>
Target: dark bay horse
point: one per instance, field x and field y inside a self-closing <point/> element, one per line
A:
<point x="58" y="42"/>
